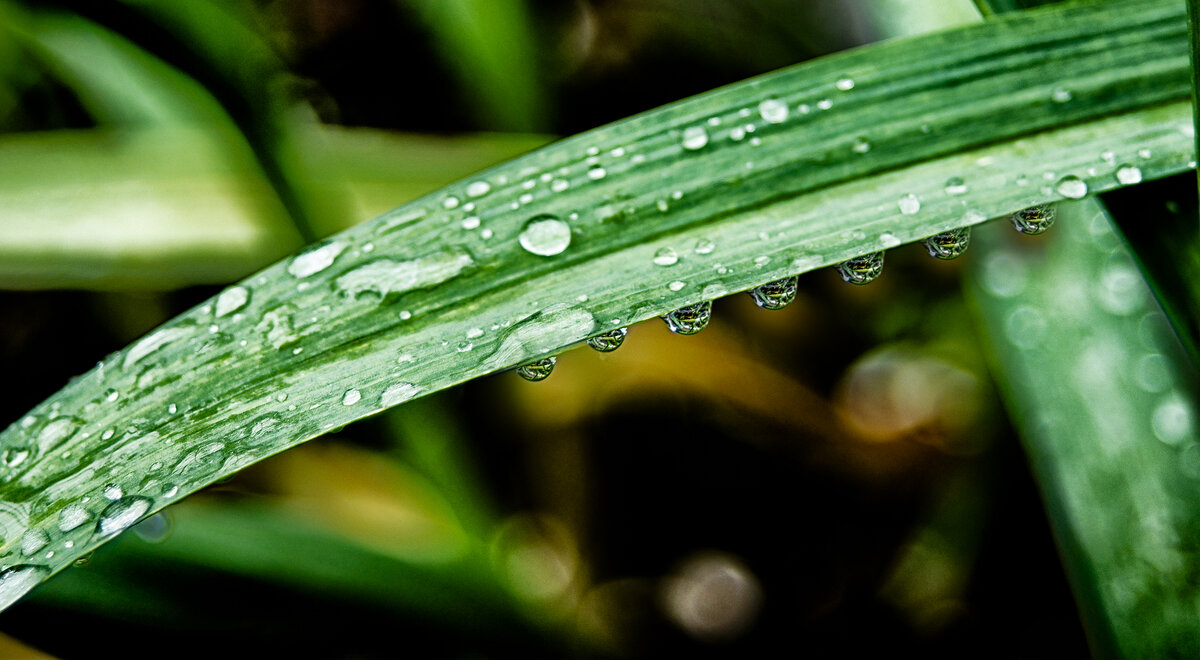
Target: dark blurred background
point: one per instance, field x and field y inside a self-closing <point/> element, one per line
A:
<point x="832" y="479"/>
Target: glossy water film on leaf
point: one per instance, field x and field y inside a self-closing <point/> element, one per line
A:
<point x="691" y="319"/>
<point x="1034" y="220"/>
<point x="537" y="370"/>
<point x="862" y="270"/>
<point x="608" y="341"/>
<point x="949" y="244"/>
<point x="775" y="295"/>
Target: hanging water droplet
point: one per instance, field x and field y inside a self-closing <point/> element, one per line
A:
<point x="608" y="341"/>
<point x="315" y="259"/>
<point x="121" y="514"/>
<point x="773" y="111"/>
<point x="665" y="257"/>
<point x="154" y="529"/>
<point x="775" y="295"/>
<point x="694" y="137"/>
<point x="909" y="204"/>
<point x="351" y="397"/>
<point x="704" y="246"/>
<point x="691" y="319"/>
<point x="537" y="370"/>
<point x="1034" y="220"/>
<point x="231" y="300"/>
<point x="1072" y="187"/>
<point x="956" y="186"/>
<point x="1129" y="175"/>
<point x="545" y="235"/>
<point x="861" y="270"/>
<point x="949" y="244"/>
<point x="478" y="188"/>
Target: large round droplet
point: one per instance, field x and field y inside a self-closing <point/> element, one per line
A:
<point x="1129" y="174"/>
<point x="949" y="244"/>
<point x="231" y="300"/>
<point x="537" y="370"/>
<point x="909" y="204"/>
<point x="1072" y="187"/>
<point x="773" y="111"/>
<point x="1034" y="220"/>
<point x="775" y="295"/>
<point x="862" y="270"/>
<point x="608" y="341"/>
<point x="666" y="257"/>
<point x="121" y="514"/>
<point x="545" y="235"/>
<point x="691" y="319"/>
<point x="694" y="138"/>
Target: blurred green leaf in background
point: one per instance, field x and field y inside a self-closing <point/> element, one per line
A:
<point x="1002" y="461"/>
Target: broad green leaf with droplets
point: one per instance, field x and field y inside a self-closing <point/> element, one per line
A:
<point x="1106" y="406"/>
<point x="750" y="184"/>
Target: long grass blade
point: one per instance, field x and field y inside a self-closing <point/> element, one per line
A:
<point x="771" y="177"/>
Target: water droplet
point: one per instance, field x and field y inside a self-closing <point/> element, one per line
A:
<point x="559" y="185"/>
<point x="1061" y="95"/>
<point x="949" y="244"/>
<point x="231" y="300"/>
<point x="172" y="409"/>
<point x="1144" y="154"/>
<point x="955" y="186"/>
<point x="888" y="240"/>
<point x="121" y="514"/>
<point x="545" y="235"/>
<point x="113" y="492"/>
<point x="665" y="257"/>
<point x="72" y="516"/>
<point x="1034" y="220"/>
<point x="677" y="285"/>
<point x="315" y="259"/>
<point x="845" y="84"/>
<point x="478" y="188"/>
<point x="861" y="145"/>
<point x="83" y="560"/>
<point x="450" y="202"/>
<point x="773" y="111"/>
<point x="1129" y="175"/>
<point x="170" y="491"/>
<point x="737" y="133"/>
<point x="1071" y="187"/>
<point x="398" y="393"/>
<point x="704" y="246"/>
<point x="470" y="222"/>
<point x="775" y="295"/>
<point x="694" y="137"/>
<point x="537" y="370"/>
<point x="14" y="456"/>
<point x="351" y="397"/>
<point x="154" y="529"/>
<point x="824" y="104"/>
<point x="691" y="319"/>
<point x="111" y="395"/>
<point x="861" y="270"/>
<point x="909" y="204"/>
<point x="485" y="234"/>
<point x="596" y="173"/>
<point x="33" y="540"/>
<point x="386" y="277"/>
<point x="608" y="341"/>
<point x="17" y="580"/>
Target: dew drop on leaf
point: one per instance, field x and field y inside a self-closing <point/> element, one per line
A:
<point x="861" y="270"/>
<point x="955" y="186"/>
<point x="949" y="244"/>
<point x="1072" y="187"/>
<point x="691" y="319"/>
<point x="315" y="259"/>
<point x="704" y="246"/>
<point x="773" y="111"/>
<point x="775" y="295"/>
<point x="608" y="341"/>
<point x="665" y="257"/>
<point x="121" y="514"/>
<point x="1034" y="220"/>
<point x="909" y="204"/>
<point x="694" y="137"/>
<point x="545" y="235"/>
<point x="537" y="370"/>
<point x="351" y="397"/>
<point x="1129" y="175"/>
